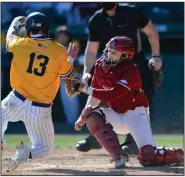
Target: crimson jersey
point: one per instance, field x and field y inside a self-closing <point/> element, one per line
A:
<point x="120" y="86"/>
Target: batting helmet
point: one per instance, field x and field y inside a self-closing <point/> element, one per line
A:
<point x="37" y="21"/>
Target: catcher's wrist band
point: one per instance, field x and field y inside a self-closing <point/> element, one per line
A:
<point x="84" y="72"/>
<point x="87" y="90"/>
<point x="71" y="59"/>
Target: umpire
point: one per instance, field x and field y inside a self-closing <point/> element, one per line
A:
<point x="115" y="20"/>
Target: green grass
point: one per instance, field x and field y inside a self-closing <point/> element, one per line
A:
<point x="64" y="141"/>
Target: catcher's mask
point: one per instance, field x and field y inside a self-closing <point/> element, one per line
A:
<point x="37" y="21"/>
<point x="118" y="49"/>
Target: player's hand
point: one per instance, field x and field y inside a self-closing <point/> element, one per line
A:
<point x="79" y="124"/>
<point x="20" y="20"/>
<point x="86" y="112"/>
<point x="73" y="50"/>
<point x="155" y="63"/>
<point x="85" y="78"/>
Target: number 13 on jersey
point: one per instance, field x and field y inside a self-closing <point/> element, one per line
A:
<point x="43" y="64"/>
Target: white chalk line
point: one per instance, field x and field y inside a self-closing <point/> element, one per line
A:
<point x="46" y="166"/>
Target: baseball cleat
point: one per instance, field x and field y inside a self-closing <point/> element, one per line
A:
<point x="21" y="155"/>
<point x="120" y="163"/>
<point x="129" y="150"/>
<point x="88" y="144"/>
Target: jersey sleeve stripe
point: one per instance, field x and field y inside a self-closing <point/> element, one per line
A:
<point x="63" y="75"/>
<point x="124" y="85"/>
<point x="123" y="81"/>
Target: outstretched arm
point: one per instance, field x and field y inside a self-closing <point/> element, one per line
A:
<point x="13" y="29"/>
<point x="89" y="59"/>
<point x="92" y="101"/>
<point x="120" y="89"/>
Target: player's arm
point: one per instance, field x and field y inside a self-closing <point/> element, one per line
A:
<point x="91" y="49"/>
<point x="148" y="28"/>
<point x="92" y="100"/>
<point x="153" y="37"/>
<point x="90" y="55"/>
<point x="11" y="37"/>
<point x="119" y="90"/>
<point x="67" y="58"/>
<point x="128" y="81"/>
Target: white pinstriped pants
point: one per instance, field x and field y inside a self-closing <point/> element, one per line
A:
<point x="37" y="120"/>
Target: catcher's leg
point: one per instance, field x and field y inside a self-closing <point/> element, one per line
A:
<point x="90" y="142"/>
<point x="137" y="122"/>
<point x="105" y="136"/>
<point x="152" y="156"/>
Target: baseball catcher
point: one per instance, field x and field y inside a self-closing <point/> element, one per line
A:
<point x="117" y="81"/>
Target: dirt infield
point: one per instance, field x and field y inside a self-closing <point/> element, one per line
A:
<point x="96" y="162"/>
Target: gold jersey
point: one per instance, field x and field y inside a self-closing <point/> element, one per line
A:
<point x="36" y="67"/>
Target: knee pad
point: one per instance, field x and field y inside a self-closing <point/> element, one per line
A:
<point x="104" y="134"/>
<point x="152" y="156"/>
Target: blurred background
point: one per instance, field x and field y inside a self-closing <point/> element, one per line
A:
<point x="69" y="22"/>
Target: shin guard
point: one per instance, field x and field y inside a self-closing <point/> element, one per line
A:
<point x="104" y="134"/>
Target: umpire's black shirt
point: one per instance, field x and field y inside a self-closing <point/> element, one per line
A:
<point x="126" y="22"/>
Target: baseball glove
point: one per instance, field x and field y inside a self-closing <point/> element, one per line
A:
<point x="158" y="78"/>
<point x="70" y="82"/>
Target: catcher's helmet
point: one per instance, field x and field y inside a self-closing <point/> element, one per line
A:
<point x="37" y="21"/>
<point x="121" y="44"/>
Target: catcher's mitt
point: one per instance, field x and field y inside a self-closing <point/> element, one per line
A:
<point x="158" y="78"/>
<point x="70" y="82"/>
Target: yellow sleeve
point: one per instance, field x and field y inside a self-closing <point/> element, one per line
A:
<point x="65" y="65"/>
<point x="14" y="42"/>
